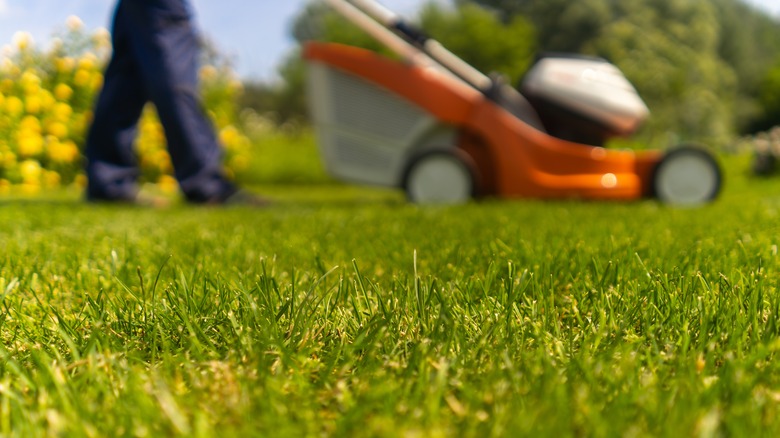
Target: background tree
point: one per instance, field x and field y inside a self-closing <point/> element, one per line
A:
<point x="282" y="102"/>
<point x="669" y="50"/>
<point x="561" y="25"/>
<point x="479" y="37"/>
<point x="769" y="99"/>
<point x="750" y="44"/>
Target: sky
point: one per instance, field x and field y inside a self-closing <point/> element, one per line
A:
<point x="254" y="33"/>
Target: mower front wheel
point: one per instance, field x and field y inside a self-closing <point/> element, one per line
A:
<point x="687" y="175"/>
<point x="441" y="176"/>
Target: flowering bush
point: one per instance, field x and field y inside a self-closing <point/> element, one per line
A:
<point x="46" y="99"/>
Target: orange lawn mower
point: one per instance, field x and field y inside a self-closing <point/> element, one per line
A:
<point x="444" y="132"/>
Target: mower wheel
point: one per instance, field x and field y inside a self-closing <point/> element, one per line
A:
<point x="440" y="176"/>
<point x="687" y="175"/>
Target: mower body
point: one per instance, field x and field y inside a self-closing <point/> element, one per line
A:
<point x="377" y="117"/>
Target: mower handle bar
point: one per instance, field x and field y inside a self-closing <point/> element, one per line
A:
<point x="408" y="41"/>
<point x="395" y="43"/>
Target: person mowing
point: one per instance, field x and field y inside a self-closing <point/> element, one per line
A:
<point x="155" y="59"/>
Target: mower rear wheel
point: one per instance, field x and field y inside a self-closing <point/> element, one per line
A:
<point x="687" y="176"/>
<point x="440" y="177"/>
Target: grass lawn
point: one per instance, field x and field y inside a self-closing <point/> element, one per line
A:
<point x="344" y="311"/>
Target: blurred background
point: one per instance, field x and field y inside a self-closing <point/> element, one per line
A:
<point x="709" y="70"/>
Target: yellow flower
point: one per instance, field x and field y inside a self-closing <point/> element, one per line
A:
<point x="229" y="136"/>
<point x="58" y="130"/>
<point x="14" y="106"/>
<point x="31" y="171"/>
<point x="33" y="104"/>
<point x="81" y="78"/>
<point x="102" y="38"/>
<point x="7" y="65"/>
<point x="63" y="92"/>
<point x="97" y="82"/>
<point x="168" y="184"/>
<point x="47" y="100"/>
<point x="51" y="179"/>
<point x="163" y="161"/>
<point x="30" y="82"/>
<point x="88" y="62"/>
<point x="150" y="128"/>
<point x="64" y="65"/>
<point x="74" y="23"/>
<point x="7" y="86"/>
<point x="80" y="180"/>
<point x="32" y="188"/>
<point x="30" y="123"/>
<point x="81" y="121"/>
<point x="61" y="152"/>
<point x="239" y="162"/>
<point x="208" y="73"/>
<point x="9" y="159"/>
<point x="23" y="40"/>
<point x="29" y="143"/>
<point x="62" y="111"/>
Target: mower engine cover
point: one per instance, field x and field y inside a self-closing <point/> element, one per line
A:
<point x="589" y="93"/>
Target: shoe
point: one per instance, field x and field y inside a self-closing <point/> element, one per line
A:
<point x="240" y="198"/>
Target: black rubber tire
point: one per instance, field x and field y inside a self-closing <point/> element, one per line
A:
<point x="440" y="176"/>
<point x="686" y="176"/>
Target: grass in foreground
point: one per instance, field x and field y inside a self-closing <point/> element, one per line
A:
<point x="344" y="311"/>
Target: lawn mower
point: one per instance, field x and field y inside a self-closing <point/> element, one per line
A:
<point x="444" y="132"/>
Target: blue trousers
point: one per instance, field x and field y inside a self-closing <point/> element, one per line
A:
<point x="155" y="59"/>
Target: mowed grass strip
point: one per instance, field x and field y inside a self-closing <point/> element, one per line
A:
<point x="346" y="312"/>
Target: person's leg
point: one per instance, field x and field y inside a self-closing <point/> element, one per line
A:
<point x="166" y="47"/>
<point x="111" y="164"/>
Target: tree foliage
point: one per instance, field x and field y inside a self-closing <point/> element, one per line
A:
<point x="669" y="50"/>
<point x="769" y="98"/>
<point x="481" y="39"/>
